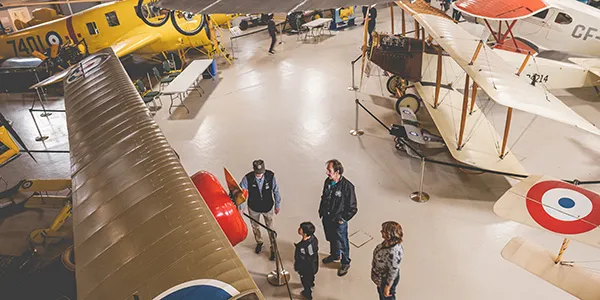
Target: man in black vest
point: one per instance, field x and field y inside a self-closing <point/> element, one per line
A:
<point x="263" y="194"/>
<point x="337" y="207"/>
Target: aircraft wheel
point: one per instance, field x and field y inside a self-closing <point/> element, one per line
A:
<point x="392" y="83"/>
<point x="411" y="101"/>
<point x="187" y="19"/>
<point x="148" y="12"/>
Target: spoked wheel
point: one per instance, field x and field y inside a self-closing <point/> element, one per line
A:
<point x="411" y="101"/>
<point x="151" y="14"/>
<point x="394" y="82"/>
<point x="187" y="23"/>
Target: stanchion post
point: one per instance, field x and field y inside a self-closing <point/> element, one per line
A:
<point x="356" y="131"/>
<point x="41" y="137"/>
<point x="420" y="196"/>
<point x="279" y="276"/>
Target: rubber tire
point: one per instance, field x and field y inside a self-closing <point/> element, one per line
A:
<point x="406" y="99"/>
<point x="138" y="12"/>
<point x="188" y="33"/>
<point x="389" y="83"/>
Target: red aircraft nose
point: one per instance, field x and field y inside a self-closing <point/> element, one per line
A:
<point x="221" y="206"/>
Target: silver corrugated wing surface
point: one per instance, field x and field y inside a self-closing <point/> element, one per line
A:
<point x="140" y="224"/>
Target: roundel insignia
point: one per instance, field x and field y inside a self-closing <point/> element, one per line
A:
<point x="27" y="184"/>
<point x="406" y="111"/>
<point x="413" y="133"/>
<point x="208" y="289"/>
<point x="53" y="38"/>
<point x="563" y="208"/>
<point x="86" y="66"/>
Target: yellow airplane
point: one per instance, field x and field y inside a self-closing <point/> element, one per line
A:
<point x="128" y="26"/>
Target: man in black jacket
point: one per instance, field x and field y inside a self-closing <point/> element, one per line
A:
<point x="272" y="32"/>
<point x="337" y="207"/>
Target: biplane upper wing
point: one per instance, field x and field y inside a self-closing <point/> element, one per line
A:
<point x="495" y="76"/>
<point x="140" y="226"/>
<point x="500" y="10"/>
<point x="553" y="205"/>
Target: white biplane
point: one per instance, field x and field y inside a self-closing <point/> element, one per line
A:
<point x="450" y="58"/>
<point x="534" y="25"/>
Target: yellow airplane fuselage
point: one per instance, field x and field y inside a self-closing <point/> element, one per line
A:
<point x="103" y="26"/>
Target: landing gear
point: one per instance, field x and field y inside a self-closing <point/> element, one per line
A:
<point x="191" y="24"/>
<point x="411" y="101"/>
<point x="395" y="83"/>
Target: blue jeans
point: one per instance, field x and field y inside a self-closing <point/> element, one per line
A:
<point x="392" y="289"/>
<point x="337" y="235"/>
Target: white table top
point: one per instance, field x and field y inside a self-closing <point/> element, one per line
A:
<point x="317" y="22"/>
<point x="190" y="74"/>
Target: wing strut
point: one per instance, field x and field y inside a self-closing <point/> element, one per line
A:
<point x="510" y="110"/>
<point x="463" y="118"/>
<point x="438" y="79"/>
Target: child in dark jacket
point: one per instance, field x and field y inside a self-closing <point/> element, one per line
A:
<point x="306" y="257"/>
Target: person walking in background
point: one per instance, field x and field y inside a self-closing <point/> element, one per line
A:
<point x="385" y="266"/>
<point x="306" y="257"/>
<point x="337" y="207"/>
<point x="372" y="22"/>
<point x="263" y="194"/>
<point x="272" y="32"/>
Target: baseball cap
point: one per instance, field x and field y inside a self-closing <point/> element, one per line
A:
<point x="258" y="166"/>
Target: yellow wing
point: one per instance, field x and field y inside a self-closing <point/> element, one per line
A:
<point x="134" y="41"/>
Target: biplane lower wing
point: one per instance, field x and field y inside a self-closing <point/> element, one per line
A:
<point x="481" y="148"/>
<point x="553" y="205"/>
<point x="141" y="228"/>
<point x="579" y="282"/>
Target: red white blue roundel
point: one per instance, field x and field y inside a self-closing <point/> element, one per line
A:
<point x="86" y="66"/>
<point x="205" y="289"/>
<point x="563" y="208"/>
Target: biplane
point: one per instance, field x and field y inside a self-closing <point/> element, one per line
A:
<point x="535" y="25"/>
<point x="443" y="58"/>
<point x="563" y="209"/>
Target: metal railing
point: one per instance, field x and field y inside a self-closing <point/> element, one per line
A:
<point x="280" y="276"/>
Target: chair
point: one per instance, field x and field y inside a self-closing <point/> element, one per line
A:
<point x="147" y="94"/>
<point x="162" y="80"/>
<point x="167" y="70"/>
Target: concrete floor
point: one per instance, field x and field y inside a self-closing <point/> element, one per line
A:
<point x="293" y="109"/>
